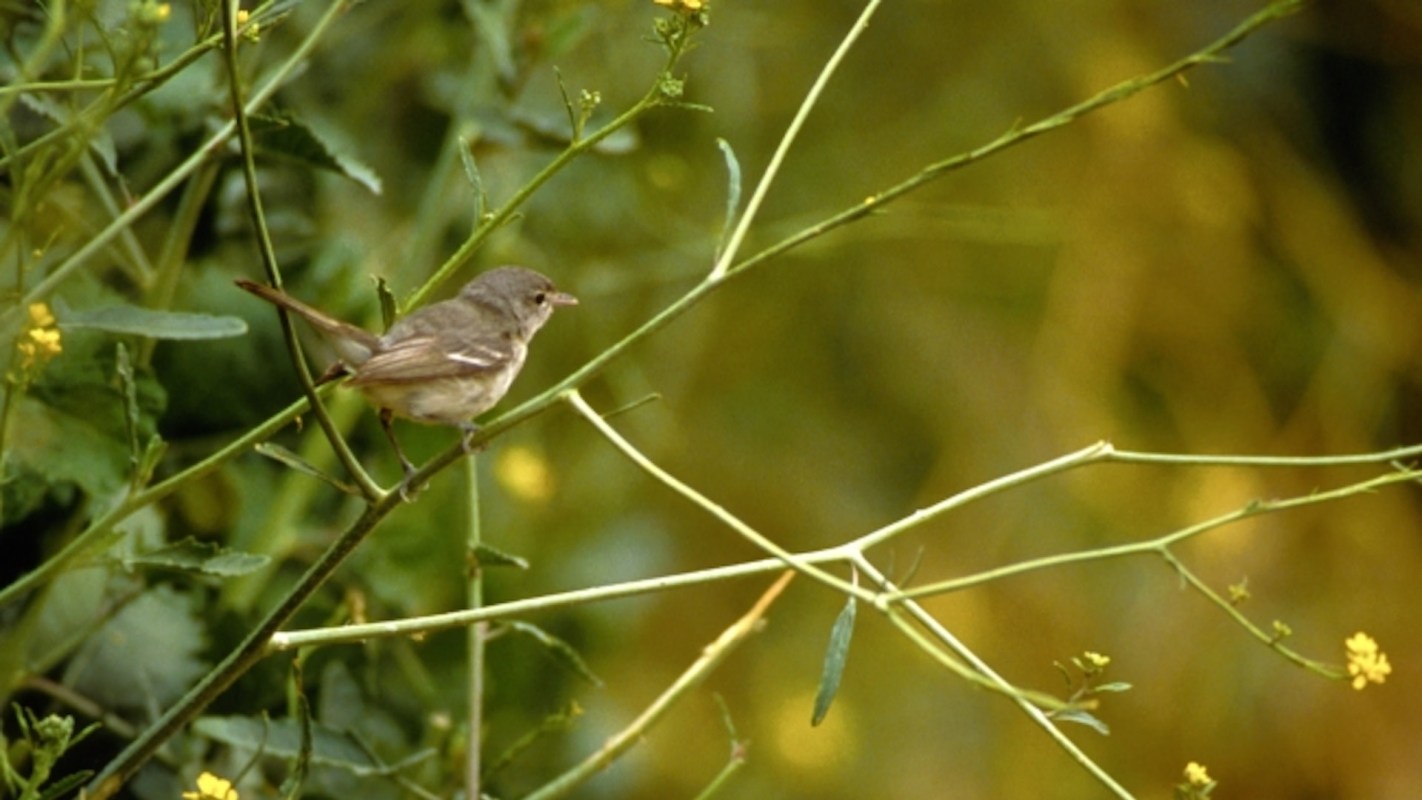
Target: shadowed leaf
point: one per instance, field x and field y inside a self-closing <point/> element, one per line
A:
<point x="835" y="656"/>
<point x="206" y="558"/>
<point x="155" y="324"/>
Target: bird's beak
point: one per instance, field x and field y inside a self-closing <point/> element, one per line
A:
<point x="562" y="299"/>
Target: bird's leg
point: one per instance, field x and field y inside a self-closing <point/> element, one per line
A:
<point x="386" y="418"/>
<point x="469" y="429"/>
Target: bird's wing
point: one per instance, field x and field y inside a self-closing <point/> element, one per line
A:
<point x="423" y="358"/>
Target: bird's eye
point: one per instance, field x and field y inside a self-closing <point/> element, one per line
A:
<point x="540" y="298"/>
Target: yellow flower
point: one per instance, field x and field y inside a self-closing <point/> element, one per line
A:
<point x="40" y="316"/>
<point x="682" y="5"/>
<point x="1195" y="775"/>
<point x="39" y="343"/>
<point x="1366" y="663"/>
<point x="1096" y="659"/>
<point x="211" y="787"/>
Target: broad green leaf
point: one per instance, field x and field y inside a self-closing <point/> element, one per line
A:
<point x="282" y="738"/>
<point x="285" y="136"/>
<point x="835" y="656"/>
<point x="54" y="450"/>
<point x="147" y="655"/>
<point x="155" y="324"/>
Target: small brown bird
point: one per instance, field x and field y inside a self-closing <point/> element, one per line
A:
<point x="445" y="363"/>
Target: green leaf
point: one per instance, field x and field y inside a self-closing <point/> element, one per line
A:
<point x="147" y="655"/>
<point x="1082" y="718"/>
<point x="471" y="172"/>
<point x="388" y="306"/>
<point x="204" y="558"/>
<point x="835" y="656"/>
<point x="283" y="135"/>
<point x="282" y="738"/>
<point x="489" y="556"/>
<point x="559" y="649"/>
<point x="64" y="785"/>
<point x="733" y="191"/>
<point x="65" y="448"/>
<point x="155" y="324"/>
<point x="557" y="722"/>
<point x="284" y="456"/>
<point x="296" y="777"/>
<point x="143" y="459"/>
<point x="1118" y="686"/>
<point x="100" y="140"/>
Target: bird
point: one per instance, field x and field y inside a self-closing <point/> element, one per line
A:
<point x="443" y="364"/>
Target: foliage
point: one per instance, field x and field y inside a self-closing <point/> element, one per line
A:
<point x="184" y="503"/>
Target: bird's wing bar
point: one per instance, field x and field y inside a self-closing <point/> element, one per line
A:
<point x="423" y="358"/>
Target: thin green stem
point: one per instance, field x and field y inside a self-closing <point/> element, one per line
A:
<point x="173" y="254"/>
<point x="1398" y="454"/>
<point x="787" y="139"/>
<point x="476" y="637"/>
<point x="368" y="487"/>
<point x="98" y="534"/>
<point x="719" y="512"/>
<point x="141" y="86"/>
<point x="173" y="179"/>
<point x="1157" y="545"/>
<point x="235" y="664"/>
<point x="1086" y="455"/>
<point x="1211" y="53"/>
<point x="1025" y="702"/>
<point x="54" y="30"/>
<point x="433" y="623"/>
<point x="495" y="219"/>
<point x="711" y="657"/>
<point x="1272" y="640"/>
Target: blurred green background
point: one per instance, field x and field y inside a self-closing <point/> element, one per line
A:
<point x="1224" y="265"/>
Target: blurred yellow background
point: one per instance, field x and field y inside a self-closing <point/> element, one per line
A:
<point x="1228" y="263"/>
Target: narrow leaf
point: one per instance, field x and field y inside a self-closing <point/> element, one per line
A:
<point x="152" y="453"/>
<point x="471" y="172"/>
<point x="557" y="722"/>
<point x="388" y="306"/>
<point x="486" y="556"/>
<point x="154" y="324"/>
<point x="835" y="656"/>
<point x="123" y="365"/>
<point x="559" y="649"/>
<point x="301" y="766"/>
<point x="733" y="190"/>
<point x="1118" y="686"/>
<point x="573" y="125"/>
<point x="64" y="785"/>
<point x="280" y="454"/>
<point x="1082" y="718"/>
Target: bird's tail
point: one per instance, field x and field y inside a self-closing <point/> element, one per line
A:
<point x="354" y="345"/>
